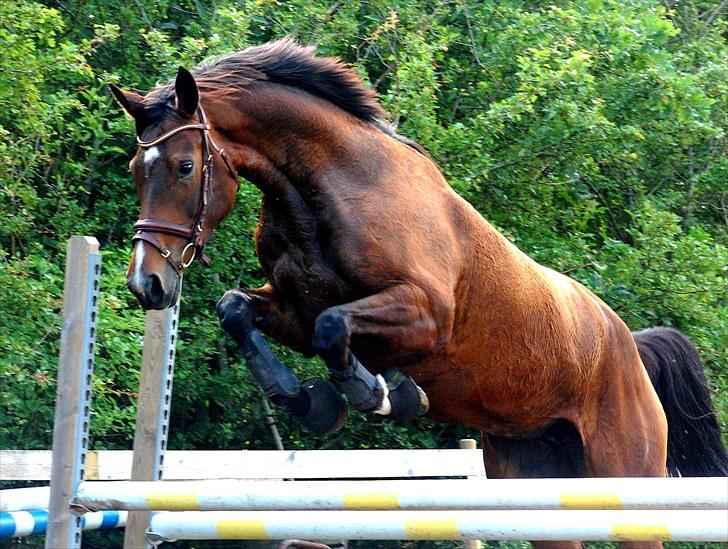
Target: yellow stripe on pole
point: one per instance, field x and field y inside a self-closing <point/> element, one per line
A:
<point x="371" y="501"/>
<point x="241" y="529"/>
<point x="438" y="529"/>
<point x="641" y="532"/>
<point x="172" y="502"/>
<point x="590" y="501"/>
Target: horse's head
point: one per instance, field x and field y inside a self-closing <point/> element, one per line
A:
<point x="186" y="186"/>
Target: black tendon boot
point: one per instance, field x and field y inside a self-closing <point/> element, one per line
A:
<point x="364" y="391"/>
<point x="315" y="404"/>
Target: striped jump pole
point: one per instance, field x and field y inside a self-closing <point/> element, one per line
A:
<point x="22" y="499"/>
<point x="15" y="524"/>
<point x="239" y="495"/>
<point x="441" y="525"/>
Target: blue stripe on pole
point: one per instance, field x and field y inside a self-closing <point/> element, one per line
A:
<point x="40" y="518"/>
<point x="110" y="520"/>
<point x="7" y="525"/>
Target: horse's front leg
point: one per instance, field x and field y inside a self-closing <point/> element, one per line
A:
<point x="243" y="310"/>
<point x="315" y="404"/>
<point x="405" y="318"/>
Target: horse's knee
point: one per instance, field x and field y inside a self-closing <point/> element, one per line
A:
<point x="234" y="312"/>
<point x="331" y="339"/>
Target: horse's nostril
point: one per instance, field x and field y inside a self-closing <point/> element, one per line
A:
<point x="155" y="289"/>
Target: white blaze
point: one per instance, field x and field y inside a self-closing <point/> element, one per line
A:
<point x="137" y="278"/>
<point x="150" y="155"/>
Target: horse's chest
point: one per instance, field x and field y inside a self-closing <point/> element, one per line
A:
<point x="295" y="264"/>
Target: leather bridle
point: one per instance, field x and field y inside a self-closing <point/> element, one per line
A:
<point x="147" y="229"/>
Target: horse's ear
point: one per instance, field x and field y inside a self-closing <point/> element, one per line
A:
<point x="131" y="102"/>
<point x="186" y="89"/>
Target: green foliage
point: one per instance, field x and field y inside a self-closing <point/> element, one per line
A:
<point x="591" y="133"/>
<point x="31" y="291"/>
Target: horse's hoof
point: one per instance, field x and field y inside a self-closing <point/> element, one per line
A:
<point x="233" y="310"/>
<point x="406" y="398"/>
<point x="319" y="408"/>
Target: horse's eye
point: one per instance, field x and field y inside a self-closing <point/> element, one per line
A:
<point x="184" y="169"/>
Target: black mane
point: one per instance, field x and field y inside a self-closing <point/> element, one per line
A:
<point x="284" y="62"/>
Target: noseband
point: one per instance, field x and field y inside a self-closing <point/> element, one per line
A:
<point x="147" y="229"/>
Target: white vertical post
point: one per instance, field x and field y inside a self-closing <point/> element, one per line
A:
<point x="153" y="406"/>
<point x="73" y="391"/>
<point x="470" y="444"/>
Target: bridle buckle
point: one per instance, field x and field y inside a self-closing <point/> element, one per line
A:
<point x="186" y="263"/>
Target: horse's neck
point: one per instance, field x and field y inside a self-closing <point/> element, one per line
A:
<point x="277" y="132"/>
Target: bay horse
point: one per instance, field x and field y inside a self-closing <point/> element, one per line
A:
<point x="414" y="301"/>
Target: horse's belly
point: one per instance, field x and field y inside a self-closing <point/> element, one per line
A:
<point x="485" y="396"/>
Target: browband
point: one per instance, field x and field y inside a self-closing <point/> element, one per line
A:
<point x="170" y="133"/>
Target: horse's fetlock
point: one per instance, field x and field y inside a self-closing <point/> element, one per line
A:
<point x="363" y="389"/>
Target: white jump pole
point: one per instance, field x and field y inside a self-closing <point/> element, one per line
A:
<point x="442" y="525"/>
<point x="22" y="499"/>
<point x="73" y="391"/>
<point x="240" y="495"/>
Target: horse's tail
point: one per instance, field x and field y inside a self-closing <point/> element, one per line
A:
<point x="694" y="445"/>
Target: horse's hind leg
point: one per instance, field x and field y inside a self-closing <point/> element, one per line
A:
<point x="623" y="425"/>
<point x="556" y="453"/>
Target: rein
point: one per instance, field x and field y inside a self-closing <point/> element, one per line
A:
<point x="147" y="229"/>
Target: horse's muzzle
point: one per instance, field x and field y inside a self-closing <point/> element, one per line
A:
<point x="150" y="292"/>
<point x="151" y="279"/>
